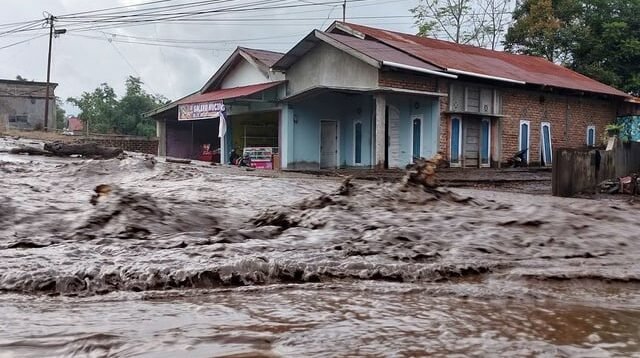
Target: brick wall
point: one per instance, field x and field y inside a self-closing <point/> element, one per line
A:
<point x="140" y="145"/>
<point x="568" y="115"/>
<point x="407" y="81"/>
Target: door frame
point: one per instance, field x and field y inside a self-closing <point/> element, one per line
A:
<point x="337" y="143"/>
<point x="488" y="121"/>
<point x="355" y="122"/>
<point x="459" y="163"/>
<point x="549" y="162"/>
<point x="528" y="123"/>
<point x="421" y="119"/>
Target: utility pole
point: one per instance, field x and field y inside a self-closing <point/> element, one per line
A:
<point x="344" y="11"/>
<point x="46" y="101"/>
<point x="52" y="33"/>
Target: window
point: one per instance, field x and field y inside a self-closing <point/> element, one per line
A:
<point x="417" y="138"/>
<point x="591" y="136"/>
<point x="18" y="119"/>
<point x="524" y="137"/>
<point x="485" y="142"/>
<point x="547" y="156"/>
<point x="456" y="141"/>
<point x="474" y="99"/>
<point x="357" y="132"/>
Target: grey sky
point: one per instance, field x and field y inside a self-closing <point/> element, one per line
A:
<point x="81" y="64"/>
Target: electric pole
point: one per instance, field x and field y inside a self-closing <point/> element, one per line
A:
<point x="344" y="11"/>
<point x="52" y="33"/>
<point x="46" y="101"/>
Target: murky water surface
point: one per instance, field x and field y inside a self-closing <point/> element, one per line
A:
<point x="201" y="261"/>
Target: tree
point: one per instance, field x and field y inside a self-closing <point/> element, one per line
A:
<point x="61" y="115"/>
<point x="131" y="107"/>
<point x="478" y="22"/>
<point x="543" y="28"/>
<point x="103" y="112"/>
<point x="97" y="108"/>
<point x="598" y="38"/>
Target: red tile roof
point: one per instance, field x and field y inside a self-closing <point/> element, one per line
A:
<point x="269" y="58"/>
<point x="229" y="93"/>
<point x="452" y="56"/>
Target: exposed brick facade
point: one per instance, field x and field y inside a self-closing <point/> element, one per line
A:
<point x="140" y="145"/>
<point x="568" y="115"/>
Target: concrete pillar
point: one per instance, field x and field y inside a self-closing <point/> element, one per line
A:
<point x="161" y="133"/>
<point x="223" y="144"/>
<point x="380" y="133"/>
<point x="284" y="136"/>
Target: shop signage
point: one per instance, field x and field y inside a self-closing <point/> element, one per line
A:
<point x="204" y="110"/>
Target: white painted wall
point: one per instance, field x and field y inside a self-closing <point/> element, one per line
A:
<point x="326" y="65"/>
<point x="243" y="74"/>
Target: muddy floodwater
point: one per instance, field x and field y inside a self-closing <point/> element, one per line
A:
<point x="200" y="261"/>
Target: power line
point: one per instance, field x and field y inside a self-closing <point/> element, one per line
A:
<point x="23" y="41"/>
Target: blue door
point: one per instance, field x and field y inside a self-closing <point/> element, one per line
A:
<point x="417" y="137"/>
<point x="358" y="143"/>
<point x="456" y="130"/>
<point x="546" y="144"/>
<point x="485" y="142"/>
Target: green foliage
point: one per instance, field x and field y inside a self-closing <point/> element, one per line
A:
<point x="598" y="38"/>
<point x="61" y="115"/>
<point x="103" y="112"/>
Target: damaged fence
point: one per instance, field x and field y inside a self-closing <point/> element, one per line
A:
<point x="581" y="170"/>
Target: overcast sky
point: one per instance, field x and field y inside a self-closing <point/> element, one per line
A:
<point x="80" y="63"/>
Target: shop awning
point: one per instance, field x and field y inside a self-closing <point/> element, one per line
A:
<point x="228" y="93"/>
<point x="210" y="103"/>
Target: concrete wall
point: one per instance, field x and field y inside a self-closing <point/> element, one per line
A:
<point x="327" y="66"/>
<point x="412" y="107"/>
<point x="131" y="144"/>
<point x="243" y="74"/>
<point x="26" y="99"/>
<point x="576" y="171"/>
<point x="303" y="130"/>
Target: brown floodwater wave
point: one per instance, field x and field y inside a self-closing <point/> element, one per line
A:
<point x="213" y="261"/>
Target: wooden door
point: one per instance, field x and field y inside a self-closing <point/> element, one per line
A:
<point x="471" y="143"/>
<point x="328" y="144"/>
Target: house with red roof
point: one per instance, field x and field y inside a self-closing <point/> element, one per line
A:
<point x="390" y="97"/>
<point x="363" y="97"/>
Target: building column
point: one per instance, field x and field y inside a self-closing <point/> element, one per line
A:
<point x="223" y="144"/>
<point x="380" y="132"/>
<point x="286" y="136"/>
<point x="161" y="133"/>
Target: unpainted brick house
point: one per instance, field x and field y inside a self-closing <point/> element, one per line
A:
<point x="22" y="104"/>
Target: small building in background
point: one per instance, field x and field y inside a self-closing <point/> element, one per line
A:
<point x="74" y="124"/>
<point x="22" y="104"/>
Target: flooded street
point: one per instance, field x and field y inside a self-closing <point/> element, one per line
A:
<point x="204" y="261"/>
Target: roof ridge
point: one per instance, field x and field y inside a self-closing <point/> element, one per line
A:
<point x="494" y="63"/>
<point x="259" y="49"/>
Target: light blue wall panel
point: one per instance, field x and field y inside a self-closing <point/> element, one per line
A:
<point x="410" y="107"/>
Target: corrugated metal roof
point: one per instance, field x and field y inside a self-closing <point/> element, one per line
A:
<point x="452" y="56"/>
<point x="268" y="58"/>
<point x="381" y="52"/>
<point x="229" y="93"/>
